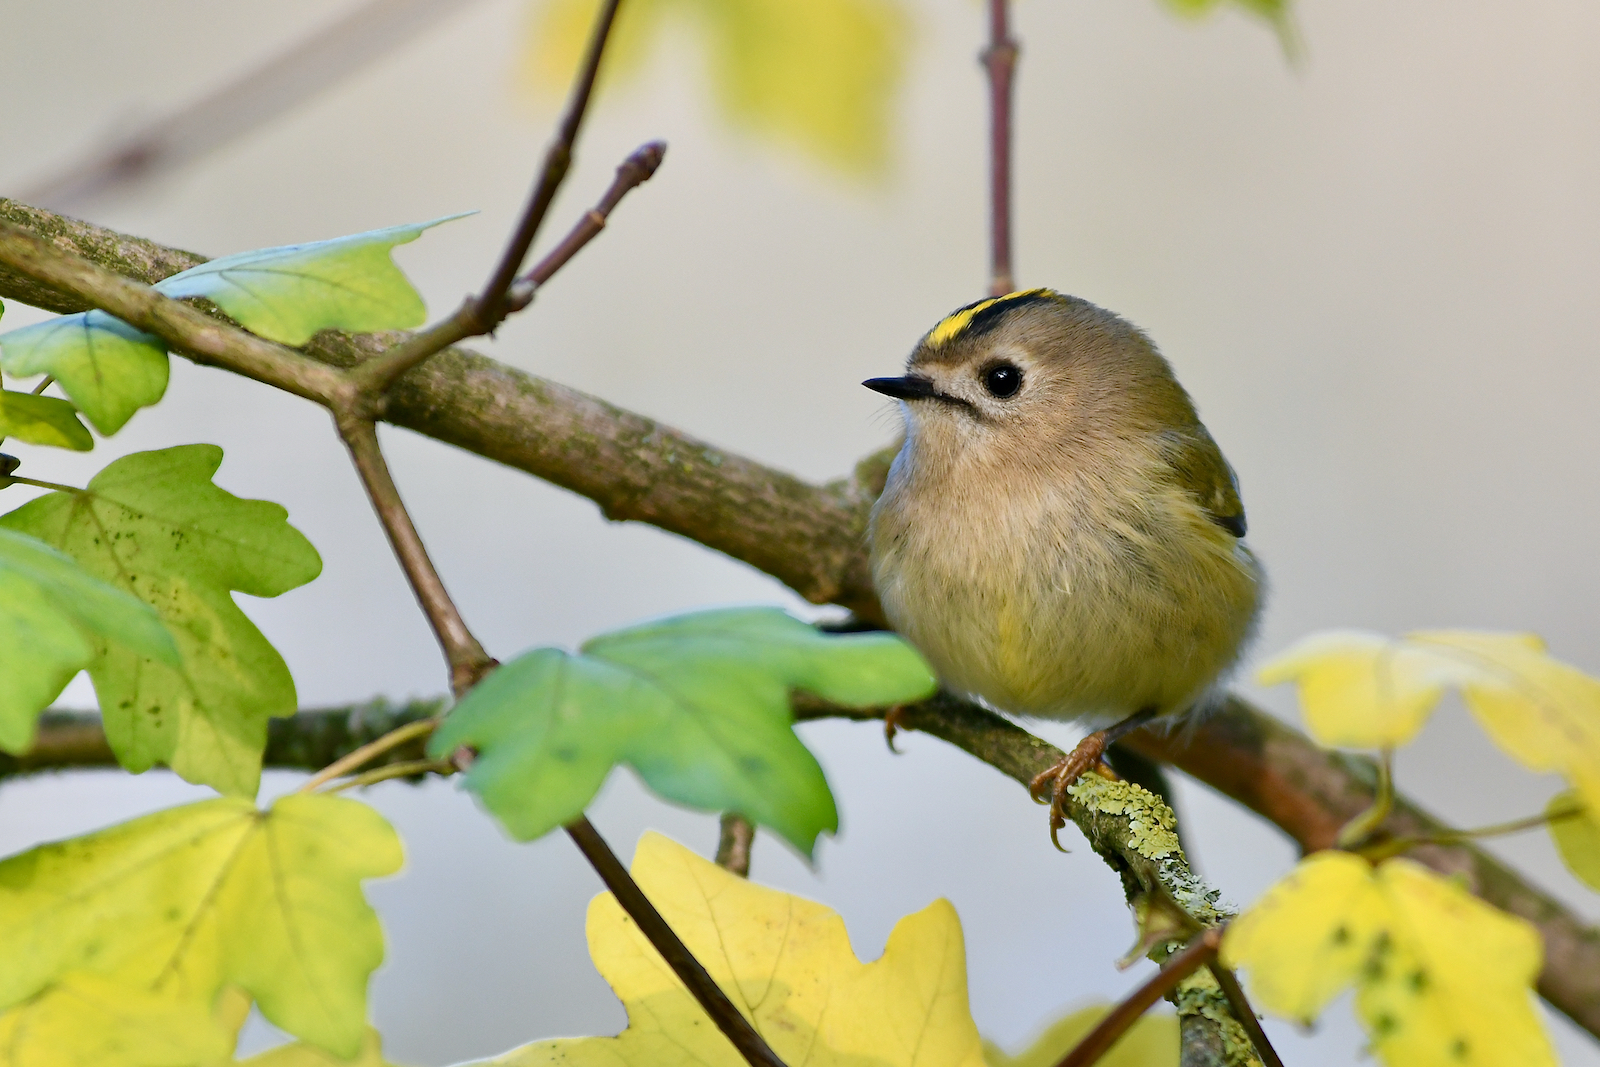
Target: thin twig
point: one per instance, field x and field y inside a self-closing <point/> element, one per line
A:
<point x="1244" y="1013"/>
<point x="369" y="752"/>
<point x="466" y="657"/>
<point x="1000" y="59"/>
<point x="1180" y="965"/>
<point x="633" y="172"/>
<point x="482" y="313"/>
<point x="557" y="161"/>
<point x="49" y="380"/>
<point x="751" y="1045"/>
<point x="734" y="843"/>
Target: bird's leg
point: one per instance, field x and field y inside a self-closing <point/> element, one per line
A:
<point x="1072" y="766"/>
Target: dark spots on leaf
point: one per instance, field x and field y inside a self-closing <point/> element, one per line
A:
<point x="1418" y="981"/>
<point x="1341" y="934"/>
<point x="1459" y="1049"/>
<point x="173" y="914"/>
<point x="753" y="765"/>
<point x="1384" y="1025"/>
<point x="91" y="949"/>
<point x="565" y="753"/>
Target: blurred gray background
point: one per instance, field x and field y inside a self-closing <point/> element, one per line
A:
<point x="1375" y="274"/>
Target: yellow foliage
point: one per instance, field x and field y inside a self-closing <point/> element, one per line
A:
<point x="187" y="901"/>
<point x="786" y="963"/>
<point x="1152" y="1041"/>
<point x="1368" y="691"/>
<point x="1577" y="838"/>
<point x="83" y="1020"/>
<point x="300" y="1054"/>
<point x="1441" y="978"/>
<point x="821" y="74"/>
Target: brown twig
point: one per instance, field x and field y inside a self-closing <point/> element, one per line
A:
<point x="466" y="657"/>
<point x="633" y="172"/>
<point x="734" y="843"/>
<point x="1180" y="965"/>
<point x="482" y="313"/>
<point x="751" y="1045"/>
<point x="1000" y="60"/>
<point x="1244" y="1012"/>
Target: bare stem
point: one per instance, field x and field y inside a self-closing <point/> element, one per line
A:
<point x="733" y="845"/>
<point x="1395" y="846"/>
<point x="466" y="657"/>
<point x="49" y="380"/>
<point x="1000" y="59"/>
<point x="484" y="312"/>
<point x="1196" y="954"/>
<point x="370" y="751"/>
<point x="634" y="171"/>
<point x="704" y="988"/>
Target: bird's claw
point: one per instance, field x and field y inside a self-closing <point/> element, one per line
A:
<point x="892" y="724"/>
<point x="1059" y="778"/>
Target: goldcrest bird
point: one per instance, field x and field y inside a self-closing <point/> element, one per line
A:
<point x="1060" y="536"/>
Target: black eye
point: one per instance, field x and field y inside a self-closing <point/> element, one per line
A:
<point x="1002" y="380"/>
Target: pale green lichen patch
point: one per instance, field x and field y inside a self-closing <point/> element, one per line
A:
<point x="1152" y="831"/>
<point x="1152" y="828"/>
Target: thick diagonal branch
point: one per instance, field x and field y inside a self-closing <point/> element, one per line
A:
<point x="812" y="539"/>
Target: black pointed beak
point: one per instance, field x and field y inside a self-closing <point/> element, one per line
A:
<point x="911" y="387"/>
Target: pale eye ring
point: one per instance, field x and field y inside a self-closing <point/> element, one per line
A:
<point x="1002" y="380"/>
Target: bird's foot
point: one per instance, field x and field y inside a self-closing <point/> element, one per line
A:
<point x="1082" y="759"/>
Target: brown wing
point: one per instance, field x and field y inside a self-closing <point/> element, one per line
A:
<point x="1200" y="469"/>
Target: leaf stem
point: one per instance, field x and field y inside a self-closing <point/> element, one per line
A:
<point x="1180" y="965"/>
<point x="1000" y="59"/>
<point x="403" y="769"/>
<point x="1360" y="829"/>
<point x="370" y="751"/>
<point x="57" y="486"/>
<point x="466" y="657"/>
<point x="482" y="313"/>
<point x="704" y="988"/>
<point x="1244" y="1012"/>
<point x="1395" y="846"/>
<point x="49" y="380"/>
<point x="734" y="843"/>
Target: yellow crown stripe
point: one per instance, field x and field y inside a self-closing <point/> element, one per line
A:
<point x="952" y="325"/>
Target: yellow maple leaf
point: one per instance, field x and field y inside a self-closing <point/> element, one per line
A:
<point x="1365" y="690"/>
<point x="84" y="1020"/>
<point x="786" y="963"/>
<point x="1441" y="978"/>
<point x="820" y="74"/>
<point x="187" y="901"/>
<point x="1577" y="838"/>
<point x="1152" y="1041"/>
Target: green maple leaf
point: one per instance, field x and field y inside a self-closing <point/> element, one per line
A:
<point x="154" y="525"/>
<point x="285" y="294"/>
<point x="186" y="901"/>
<point x="108" y="368"/>
<point x="697" y="704"/>
<point x="42" y="420"/>
<point x="52" y="615"/>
